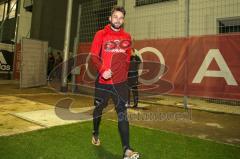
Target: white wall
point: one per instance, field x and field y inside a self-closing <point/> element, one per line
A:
<point x="204" y="14"/>
<point x="24" y="24"/>
<point x="167" y="19"/>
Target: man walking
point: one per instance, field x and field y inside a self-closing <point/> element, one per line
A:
<point x="110" y="53"/>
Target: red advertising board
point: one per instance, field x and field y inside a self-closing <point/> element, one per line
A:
<point x="206" y="66"/>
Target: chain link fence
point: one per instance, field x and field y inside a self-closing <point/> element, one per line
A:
<point x="173" y="20"/>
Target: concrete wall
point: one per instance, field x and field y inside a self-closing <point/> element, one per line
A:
<point x="154" y="21"/>
<point x="24" y="24"/>
<point x="167" y="19"/>
<point x="205" y="13"/>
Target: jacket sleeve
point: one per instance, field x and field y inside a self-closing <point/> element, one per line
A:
<point x="95" y="51"/>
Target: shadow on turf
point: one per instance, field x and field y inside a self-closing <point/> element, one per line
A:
<point x="104" y="154"/>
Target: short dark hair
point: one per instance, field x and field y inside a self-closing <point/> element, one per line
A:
<point x="118" y="8"/>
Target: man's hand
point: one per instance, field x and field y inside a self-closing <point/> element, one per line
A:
<point x="107" y="74"/>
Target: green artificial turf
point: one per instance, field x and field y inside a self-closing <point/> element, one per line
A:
<point x="74" y="142"/>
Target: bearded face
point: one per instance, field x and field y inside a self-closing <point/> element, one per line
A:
<point x="117" y="20"/>
<point x="116" y="25"/>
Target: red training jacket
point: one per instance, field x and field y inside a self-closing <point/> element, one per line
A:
<point x="111" y="50"/>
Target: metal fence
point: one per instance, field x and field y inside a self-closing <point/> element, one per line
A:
<point x="157" y="19"/>
<point x="168" y="19"/>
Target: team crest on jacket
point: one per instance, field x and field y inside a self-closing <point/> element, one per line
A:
<point x="117" y="46"/>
